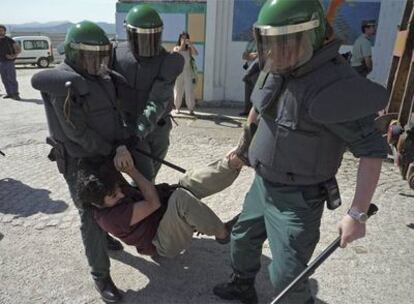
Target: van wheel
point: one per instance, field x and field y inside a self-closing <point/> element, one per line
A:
<point x="43" y="62"/>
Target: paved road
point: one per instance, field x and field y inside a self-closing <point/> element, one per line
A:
<point x="41" y="255"/>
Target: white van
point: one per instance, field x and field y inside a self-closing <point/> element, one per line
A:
<point x="35" y="50"/>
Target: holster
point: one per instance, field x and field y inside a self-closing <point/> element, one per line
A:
<point x="333" y="197"/>
<point x="57" y="154"/>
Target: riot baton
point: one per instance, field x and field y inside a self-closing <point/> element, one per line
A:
<point x="317" y="262"/>
<point x="164" y="162"/>
<point x="2" y="153"/>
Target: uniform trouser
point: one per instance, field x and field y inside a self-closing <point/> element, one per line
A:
<point x="186" y="213"/>
<point x="289" y="217"/>
<point x="156" y="143"/>
<point x="93" y="237"/>
<point x="184" y="84"/>
<point x="8" y="77"/>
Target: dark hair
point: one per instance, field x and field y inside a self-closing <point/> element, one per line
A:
<point x="366" y="24"/>
<point x="3" y="27"/>
<point x="93" y="184"/>
<point x="185" y="34"/>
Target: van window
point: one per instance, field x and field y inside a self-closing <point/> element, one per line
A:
<point x="35" y="45"/>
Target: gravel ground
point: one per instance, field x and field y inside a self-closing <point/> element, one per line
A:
<point x="41" y="254"/>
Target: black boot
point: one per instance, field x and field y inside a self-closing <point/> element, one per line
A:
<point x="113" y="244"/>
<point x="16" y="97"/>
<point x="229" y="226"/>
<point x="237" y="289"/>
<point x="108" y="290"/>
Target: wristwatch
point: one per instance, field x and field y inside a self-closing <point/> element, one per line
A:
<point x="357" y="215"/>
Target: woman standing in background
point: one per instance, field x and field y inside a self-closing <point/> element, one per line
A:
<point x="187" y="79"/>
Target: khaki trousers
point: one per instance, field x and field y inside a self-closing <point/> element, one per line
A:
<point x="186" y="213"/>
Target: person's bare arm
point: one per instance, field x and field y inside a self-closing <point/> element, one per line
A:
<point x="249" y="56"/>
<point x="368" y="174"/>
<point x="17" y="49"/>
<point x="193" y="50"/>
<point x="239" y="153"/>
<point x="253" y="117"/>
<point x="368" y="63"/>
<point x="151" y="201"/>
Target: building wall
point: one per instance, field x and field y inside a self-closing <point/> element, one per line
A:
<point x="224" y="77"/>
<point x="226" y="34"/>
<point x="177" y="16"/>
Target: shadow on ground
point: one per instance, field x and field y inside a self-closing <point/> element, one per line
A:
<point x="190" y="277"/>
<point x="32" y="100"/>
<point x="31" y="67"/>
<point x="22" y="200"/>
<point x="36" y="101"/>
<point x="218" y="119"/>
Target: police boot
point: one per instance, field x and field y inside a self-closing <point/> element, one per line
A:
<point x="237" y="289"/>
<point x="113" y="244"/>
<point x="108" y="290"/>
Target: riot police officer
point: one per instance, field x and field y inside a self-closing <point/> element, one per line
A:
<point x="311" y="106"/>
<point x="85" y="127"/>
<point x="147" y="90"/>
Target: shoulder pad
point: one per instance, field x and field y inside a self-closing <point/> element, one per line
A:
<point x="125" y="63"/>
<point x="57" y="81"/>
<point x="347" y="100"/>
<point x="172" y="66"/>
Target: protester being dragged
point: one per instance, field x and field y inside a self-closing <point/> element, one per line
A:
<point x="158" y="219"/>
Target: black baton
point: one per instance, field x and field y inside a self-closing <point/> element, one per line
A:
<point x="164" y="162"/>
<point x="2" y="153"/>
<point x="317" y="262"/>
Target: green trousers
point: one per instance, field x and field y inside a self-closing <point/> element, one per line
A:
<point x="289" y="217"/>
<point x="156" y="143"/>
<point x="93" y="237"/>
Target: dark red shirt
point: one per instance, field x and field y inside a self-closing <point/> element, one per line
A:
<point x="116" y="220"/>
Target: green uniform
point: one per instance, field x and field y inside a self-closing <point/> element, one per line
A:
<point x="84" y="123"/>
<point x="312" y="107"/>
<point x="146" y="91"/>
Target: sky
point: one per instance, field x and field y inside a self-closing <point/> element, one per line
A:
<point x="24" y="11"/>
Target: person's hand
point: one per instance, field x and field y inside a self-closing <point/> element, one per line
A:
<point x="234" y="161"/>
<point x="123" y="160"/>
<point x="253" y="56"/>
<point x="350" y="230"/>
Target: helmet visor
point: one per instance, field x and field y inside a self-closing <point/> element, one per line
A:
<point x="281" y="54"/>
<point x="144" y="42"/>
<point x="93" y="59"/>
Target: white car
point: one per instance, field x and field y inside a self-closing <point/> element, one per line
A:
<point x="35" y="50"/>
